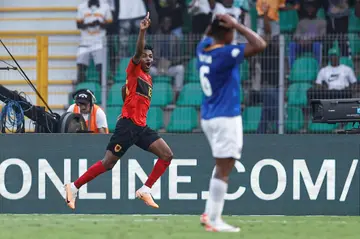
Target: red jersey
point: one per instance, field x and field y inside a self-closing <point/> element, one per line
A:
<point x="138" y="94"/>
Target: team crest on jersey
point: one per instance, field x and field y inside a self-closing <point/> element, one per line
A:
<point x="117" y="148"/>
<point x="235" y="52"/>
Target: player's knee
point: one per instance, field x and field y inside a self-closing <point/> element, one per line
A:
<point x="168" y="155"/>
<point x="109" y="161"/>
<point x="108" y="164"/>
<point x="221" y="176"/>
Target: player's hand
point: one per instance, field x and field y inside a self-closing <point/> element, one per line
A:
<point x="145" y="23"/>
<point x="229" y="21"/>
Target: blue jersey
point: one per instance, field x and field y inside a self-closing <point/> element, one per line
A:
<point x="219" y="69"/>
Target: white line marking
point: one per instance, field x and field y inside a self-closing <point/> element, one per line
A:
<point x="162" y="219"/>
<point x="160" y="215"/>
<point x="348" y="180"/>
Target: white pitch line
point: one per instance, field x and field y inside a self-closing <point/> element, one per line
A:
<point x="165" y="215"/>
<point x="156" y="220"/>
<point x="291" y="222"/>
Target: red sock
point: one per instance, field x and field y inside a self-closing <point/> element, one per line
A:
<point x="158" y="170"/>
<point x="94" y="171"/>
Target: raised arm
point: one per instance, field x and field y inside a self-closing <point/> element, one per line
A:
<point x="144" y="25"/>
<point x="256" y="44"/>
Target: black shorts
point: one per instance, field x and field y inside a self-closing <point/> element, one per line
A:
<point x="127" y="134"/>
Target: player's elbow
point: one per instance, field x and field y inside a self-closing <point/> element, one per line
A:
<point x="261" y="45"/>
<point x="257" y="48"/>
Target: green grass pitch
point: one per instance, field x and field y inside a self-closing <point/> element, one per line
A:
<point x="169" y="227"/>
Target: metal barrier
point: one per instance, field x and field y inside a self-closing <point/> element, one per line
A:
<point x="276" y="85"/>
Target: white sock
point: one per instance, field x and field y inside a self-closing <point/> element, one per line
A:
<point x="73" y="187"/>
<point x="218" y="189"/>
<point x="207" y="201"/>
<point x="145" y="189"/>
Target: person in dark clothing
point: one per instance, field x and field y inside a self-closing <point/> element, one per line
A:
<point x="112" y="40"/>
<point x="304" y="5"/>
<point x="310" y="32"/>
<point x="269" y="93"/>
<point x="337" y="19"/>
<point x="173" y="9"/>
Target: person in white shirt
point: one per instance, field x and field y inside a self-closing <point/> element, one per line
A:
<point x="131" y="13"/>
<point x="334" y="81"/>
<point x="111" y="4"/>
<point x="234" y="12"/>
<point x="231" y="9"/>
<point x="92" y="19"/>
<point x="203" y="11"/>
<point x="112" y="32"/>
<point x="94" y="116"/>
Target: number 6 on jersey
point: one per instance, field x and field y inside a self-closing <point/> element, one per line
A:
<point x="204" y="81"/>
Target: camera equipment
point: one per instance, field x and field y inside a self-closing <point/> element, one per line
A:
<point x="333" y="111"/>
<point x="17" y="106"/>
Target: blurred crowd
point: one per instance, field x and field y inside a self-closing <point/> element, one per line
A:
<point x="320" y="38"/>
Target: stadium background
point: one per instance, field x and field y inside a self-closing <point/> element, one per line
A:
<point x="48" y="56"/>
<point x="42" y="36"/>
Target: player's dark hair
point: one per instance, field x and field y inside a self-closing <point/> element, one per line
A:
<point x="218" y="31"/>
<point x="148" y="47"/>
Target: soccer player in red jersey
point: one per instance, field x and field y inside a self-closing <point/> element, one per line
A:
<point x="131" y="127"/>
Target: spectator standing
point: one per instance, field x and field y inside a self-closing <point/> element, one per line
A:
<point x="131" y="12"/>
<point x="309" y="34"/>
<point x="234" y="12"/>
<point x="112" y="38"/>
<point x="270" y="9"/>
<point x="93" y="17"/>
<point x="174" y="9"/>
<point x="303" y="6"/>
<point x="245" y="9"/>
<point x="202" y="12"/>
<point x="231" y="9"/>
<point x="265" y="84"/>
<point x="216" y="7"/>
<point x="337" y="18"/>
<point x="112" y="5"/>
<point x="267" y="66"/>
<point x="168" y="58"/>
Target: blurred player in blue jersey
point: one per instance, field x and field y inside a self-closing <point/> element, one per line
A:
<point x="218" y="63"/>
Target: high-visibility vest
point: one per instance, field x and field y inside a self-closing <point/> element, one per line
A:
<point x="93" y="126"/>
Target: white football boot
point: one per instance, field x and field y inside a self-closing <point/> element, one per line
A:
<point x="220" y="226"/>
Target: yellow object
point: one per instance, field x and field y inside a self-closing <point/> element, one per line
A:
<point x="38" y="9"/>
<point x="38" y="19"/>
<point x="273" y="8"/>
<point x="26" y="34"/>
<point x="42" y="69"/>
